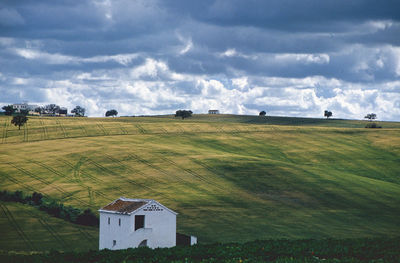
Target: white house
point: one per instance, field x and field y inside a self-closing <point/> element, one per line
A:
<point x="24" y="106"/>
<point x="213" y="112"/>
<point x="127" y="223"/>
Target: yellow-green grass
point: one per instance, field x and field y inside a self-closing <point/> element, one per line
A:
<point x="24" y="228"/>
<point x="228" y="180"/>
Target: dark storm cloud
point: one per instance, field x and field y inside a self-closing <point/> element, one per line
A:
<point x="150" y="56"/>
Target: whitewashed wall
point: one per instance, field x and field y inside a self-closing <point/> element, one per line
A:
<point x="159" y="229"/>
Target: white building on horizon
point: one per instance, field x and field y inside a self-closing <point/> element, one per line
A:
<point x="129" y="223"/>
<point x="24" y="106"/>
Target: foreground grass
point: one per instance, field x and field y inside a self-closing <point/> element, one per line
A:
<point x="352" y="250"/>
<point x="230" y="181"/>
<point x="24" y="228"/>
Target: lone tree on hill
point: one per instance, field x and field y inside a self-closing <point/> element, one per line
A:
<point x="327" y="114"/>
<point x="9" y="109"/>
<point x="78" y="111"/>
<point x="370" y="116"/>
<point x="262" y="113"/>
<point x="111" y="113"/>
<point x="19" y="121"/>
<point x="183" y="113"/>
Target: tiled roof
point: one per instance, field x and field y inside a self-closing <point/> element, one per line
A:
<point x="125" y="205"/>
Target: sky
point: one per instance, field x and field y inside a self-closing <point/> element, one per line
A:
<point x="145" y="57"/>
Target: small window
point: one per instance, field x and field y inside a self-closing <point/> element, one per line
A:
<point x="114" y="243"/>
<point x="139" y="222"/>
<point x="119" y="221"/>
<point x="108" y="220"/>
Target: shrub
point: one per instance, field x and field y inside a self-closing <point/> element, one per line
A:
<point x="372" y="125"/>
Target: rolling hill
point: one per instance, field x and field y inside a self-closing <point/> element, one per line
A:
<point x="230" y="178"/>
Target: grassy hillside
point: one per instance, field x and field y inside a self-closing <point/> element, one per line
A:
<point x="230" y="178"/>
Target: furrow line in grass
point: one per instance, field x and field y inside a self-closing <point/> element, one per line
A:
<point x="192" y="173"/>
<point x="53" y="233"/>
<point x="49" y="229"/>
<point x="88" y="237"/>
<point x="16" y="181"/>
<point x="180" y="129"/>
<point x="140" y="128"/>
<point x="5" y="131"/>
<point x="97" y="180"/>
<point x="124" y="131"/>
<point x="147" y="163"/>
<point x="45" y="135"/>
<point x="134" y="182"/>
<point x="26" y="132"/>
<point x="107" y="171"/>
<point x="84" y="130"/>
<point x="73" y="181"/>
<point x="62" y="128"/>
<point x="101" y="127"/>
<point x="163" y="130"/>
<point x="14" y="223"/>
<point x="59" y="173"/>
<point x="65" y="194"/>
<point x="211" y="170"/>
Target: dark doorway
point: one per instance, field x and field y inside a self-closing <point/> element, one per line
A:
<point x="143" y="243"/>
<point x="139" y="222"/>
<point x="182" y="240"/>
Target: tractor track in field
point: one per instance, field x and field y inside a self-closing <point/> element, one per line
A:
<point x="108" y="172"/>
<point x="25" y="132"/>
<point x="4" y="138"/>
<point x="62" y="128"/>
<point x="141" y="129"/>
<point x="79" y="182"/>
<point x="17" y="228"/>
<point x="82" y="127"/>
<point x="208" y="168"/>
<point x="96" y="179"/>
<point x="53" y="233"/>
<point x="50" y="229"/>
<point x="71" y="180"/>
<point x="88" y="237"/>
<point x="155" y="167"/>
<point x="134" y="182"/>
<point x="124" y="131"/>
<point x="64" y="193"/>
<point x="190" y="172"/>
<point x="101" y="127"/>
<point x="45" y="133"/>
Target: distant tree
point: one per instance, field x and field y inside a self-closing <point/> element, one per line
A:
<point x="327" y="114"/>
<point x="24" y="112"/>
<point x="19" y="121"/>
<point x="111" y="113"/>
<point x="183" y="113"/>
<point x="78" y="111"/>
<point x="40" y="110"/>
<point x="370" y="116"/>
<point x="9" y="109"/>
<point x="262" y="113"/>
<point x="51" y="109"/>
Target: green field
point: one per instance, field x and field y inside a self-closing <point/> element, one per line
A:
<point x="230" y="178"/>
<point x="26" y="228"/>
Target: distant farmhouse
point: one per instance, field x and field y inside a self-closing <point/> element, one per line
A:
<point x="130" y="223"/>
<point x="18" y="107"/>
<point x="213" y="112"/>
